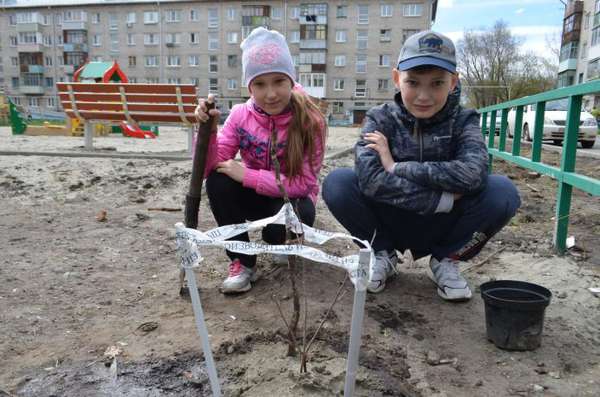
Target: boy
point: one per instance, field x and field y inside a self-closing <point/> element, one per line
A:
<point x="420" y="180"/>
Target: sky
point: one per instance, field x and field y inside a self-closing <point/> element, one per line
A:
<point x="534" y="21"/>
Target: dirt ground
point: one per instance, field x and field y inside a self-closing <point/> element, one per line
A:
<point x="71" y="287"/>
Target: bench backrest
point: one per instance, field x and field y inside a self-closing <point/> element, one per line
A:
<point x="134" y="103"/>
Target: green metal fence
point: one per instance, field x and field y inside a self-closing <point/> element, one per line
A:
<point x="565" y="175"/>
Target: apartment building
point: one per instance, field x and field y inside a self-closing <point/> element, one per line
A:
<point x="344" y="50"/>
<point x="580" y="46"/>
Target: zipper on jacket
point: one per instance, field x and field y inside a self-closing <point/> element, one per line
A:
<point x="272" y="129"/>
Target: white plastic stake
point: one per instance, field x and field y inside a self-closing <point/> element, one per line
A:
<point x="358" y="312"/>
<point x="203" y="332"/>
<point x="88" y="135"/>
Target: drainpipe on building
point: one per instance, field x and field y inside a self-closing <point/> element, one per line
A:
<point x="161" y="61"/>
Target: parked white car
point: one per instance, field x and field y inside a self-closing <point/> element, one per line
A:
<point x="555" y="118"/>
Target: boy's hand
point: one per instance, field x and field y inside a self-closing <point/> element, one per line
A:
<point x="201" y="111"/>
<point x="232" y="169"/>
<point x="380" y="144"/>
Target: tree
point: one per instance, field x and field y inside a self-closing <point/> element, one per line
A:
<point x="494" y="69"/>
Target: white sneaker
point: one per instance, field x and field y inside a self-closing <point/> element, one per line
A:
<point x="240" y="278"/>
<point x="384" y="266"/>
<point x="451" y="286"/>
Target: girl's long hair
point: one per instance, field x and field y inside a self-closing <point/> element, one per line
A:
<point x="306" y="134"/>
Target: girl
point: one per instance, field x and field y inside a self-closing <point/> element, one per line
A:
<point x="247" y="190"/>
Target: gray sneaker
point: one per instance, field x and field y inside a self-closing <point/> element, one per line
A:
<point x="451" y="286"/>
<point x="240" y="278"/>
<point x="384" y="266"/>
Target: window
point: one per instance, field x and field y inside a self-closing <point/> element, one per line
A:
<point x="194" y="38"/>
<point x="294" y="12"/>
<point x="232" y="61"/>
<point x="130" y="38"/>
<point x="406" y="33"/>
<point x="361" y="88"/>
<point x="338" y="107"/>
<point x="51" y="101"/>
<point x="232" y="37"/>
<point x="412" y="10"/>
<point x="49" y="82"/>
<point x="173" y="38"/>
<point x="296" y="60"/>
<point x="213" y="41"/>
<point x="173" y="61"/>
<point x="152" y="80"/>
<point x="363" y="14"/>
<point x="597" y="7"/>
<point x="151" y="39"/>
<point x="386" y="10"/>
<point x="150" y="17"/>
<point x="47" y="40"/>
<point x="96" y="40"/>
<point x="213" y="17"/>
<point x="312" y="58"/>
<point x="569" y="24"/>
<point x="130" y="18"/>
<point x="114" y="42"/>
<point x="232" y="84"/>
<point x="96" y="18"/>
<point x="383" y="84"/>
<point x="34" y="102"/>
<point x="231" y="14"/>
<point x="59" y="39"/>
<point x="174" y="80"/>
<point x="341" y="12"/>
<point x="595" y="36"/>
<point x="361" y="63"/>
<point x="13" y="41"/>
<point x="276" y="13"/>
<point x="341" y="36"/>
<point x="15" y="82"/>
<point x="132" y="61"/>
<point x="583" y="52"/>
<point x="362" y="37"/>
<point x="384" y="60"/>
<point x="313" y="9"/>
<point x="173" y="16"/>
<point x="213" y="64"/>
<point x="48" y="61"/>
<point x="113" y="21"/>
<point x="213" y="85"/>
<point x="194" y="15"/>
<point x="385" y="35"/>
<point x="194" y="60"/>
<point x="569" y="51"/>
<point x="311" y="80"/>
<point x="313" y="32"/>
<point x="151" y="61"/>
<point x="195" y="81"/>
<point x="338" y="84"/>
<point x="12" y="20"/>
<point x="28" y="38"/>
<point x="593" y="69"/>
<point x="295" y="36"/>
<point x="340" y="60"/>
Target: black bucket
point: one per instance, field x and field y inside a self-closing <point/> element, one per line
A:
<point x="514" y="313"/>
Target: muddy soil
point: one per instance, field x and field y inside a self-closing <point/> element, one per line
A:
<point x="72" y="286"/>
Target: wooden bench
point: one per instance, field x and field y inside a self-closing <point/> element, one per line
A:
<point x="113" y="103"/>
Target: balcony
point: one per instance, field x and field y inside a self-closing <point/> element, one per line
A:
<point x="313" y="44"/>
<point x="29" y="47"/>
<point x="573" y="7"/>
<point x="313" y="20"/>
<point x="567" y="64"/>
<point x="317" y="92"/>
<point x="74" y="25"/>
<point x="29" y="27"/>
<point x="32" y="89"/>
<point x="37" y="69"/>
<point x="75" y="47"/>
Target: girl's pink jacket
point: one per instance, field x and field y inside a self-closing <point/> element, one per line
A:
<point x="248" y="130"/>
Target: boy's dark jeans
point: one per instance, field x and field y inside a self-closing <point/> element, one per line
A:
<point x="461" y="233"/>
<point x="233" y="203"/>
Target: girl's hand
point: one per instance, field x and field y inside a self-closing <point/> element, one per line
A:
<point x="232" y="169"/>
<point x="379" y="143"/>
<point x="201" y="111"/>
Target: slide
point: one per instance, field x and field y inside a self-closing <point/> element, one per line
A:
<point x="136" y="132"/>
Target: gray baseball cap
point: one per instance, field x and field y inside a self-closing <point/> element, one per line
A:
<point x="428" y="48"/>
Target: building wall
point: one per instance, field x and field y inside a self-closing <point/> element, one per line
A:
<point x="107" y="43"/>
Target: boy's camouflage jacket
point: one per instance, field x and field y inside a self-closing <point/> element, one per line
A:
<point x="445" y="153"/>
